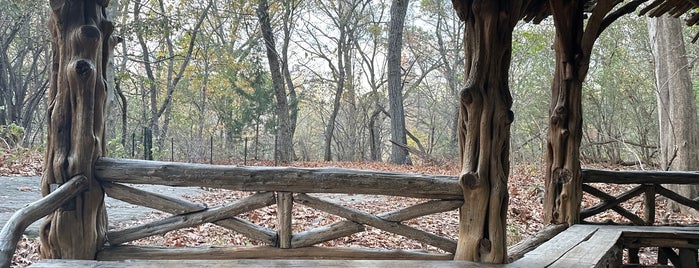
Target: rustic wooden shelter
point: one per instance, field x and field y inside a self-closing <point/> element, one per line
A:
<point x="77" y="176"/>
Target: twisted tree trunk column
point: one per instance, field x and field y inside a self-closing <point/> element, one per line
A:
<point x="82" y="44"/>
<point x="484" y="127"/>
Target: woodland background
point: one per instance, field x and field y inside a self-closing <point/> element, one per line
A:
<point x="192" y="79"/>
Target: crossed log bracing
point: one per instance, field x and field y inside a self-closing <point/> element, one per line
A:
<point x="223" y="215"/>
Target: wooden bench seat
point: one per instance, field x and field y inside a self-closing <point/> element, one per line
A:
<point x="602" y="245"/>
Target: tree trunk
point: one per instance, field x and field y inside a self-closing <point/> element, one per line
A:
<point x="679" y="136"/>
<point x="484" y="127"/>
<point x="399" y="8"/>
<point x="285" y="149"/>
<point x="342" y="50"/>
<point x="82" y="44"/>
<point x="290" y="10"/>
<point x="375" y="135"/>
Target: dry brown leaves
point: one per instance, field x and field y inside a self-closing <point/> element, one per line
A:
<point x="20" y="162"/>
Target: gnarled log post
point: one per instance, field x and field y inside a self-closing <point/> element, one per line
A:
<point x="484" y="127"/>
<point x="563" y="174"/>
<point x="573" y="46"/>
<point x="82" y="44"/>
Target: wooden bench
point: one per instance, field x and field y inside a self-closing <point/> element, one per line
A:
<point x="602" y="245"/>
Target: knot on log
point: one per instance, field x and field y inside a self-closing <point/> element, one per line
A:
<point x="554" y="120"/>
<point x="103" y="3"/>
<point x="484" y="247"/>
<point x="89" y="35"/>
<point x="469" y="180"/>
<point x="561" y="111"/>
<point x="561" y="175"/>
<point x="466" y="96"/>
<point x="565" y="133"/>
<point x="84" y="68"/>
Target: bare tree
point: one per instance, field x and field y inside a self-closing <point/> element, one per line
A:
<point x="173" y="63"/>
<point x="24" y="67"/>
<point x="345" y="20"/>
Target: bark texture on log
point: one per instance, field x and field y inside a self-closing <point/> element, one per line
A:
<point x="484" y="127"/>
<point x="82" y="42"/>
<point x="576" y="34"/>
<point x="563" y="174"/>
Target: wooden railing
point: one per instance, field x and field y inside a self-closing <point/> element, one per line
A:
<point x="282" y="186"/>
<point x="648" y="183"/>
<point x="285" y="186"/>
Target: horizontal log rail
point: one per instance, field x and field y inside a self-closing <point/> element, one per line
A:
<point x="640" y="177"/>
<point x="650" y="184"/>
<point x="279" y="179"/>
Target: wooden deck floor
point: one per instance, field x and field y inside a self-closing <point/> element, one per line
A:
<point x="578" y="246"/>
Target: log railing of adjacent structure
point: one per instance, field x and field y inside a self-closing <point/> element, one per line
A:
<point x="282" y="186"/>
<point x="649" y="184"/>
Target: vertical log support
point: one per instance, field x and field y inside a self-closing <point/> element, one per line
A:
<point x="649" y="208"/>
<point x="484" y="127"/>
<point x="563" y="174"/>
<point x="573" y="46"/>
<point x="285" y="204"/>
<point x="82" y="44"/>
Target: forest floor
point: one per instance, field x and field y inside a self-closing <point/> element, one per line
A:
<point x="524" y="215"/>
